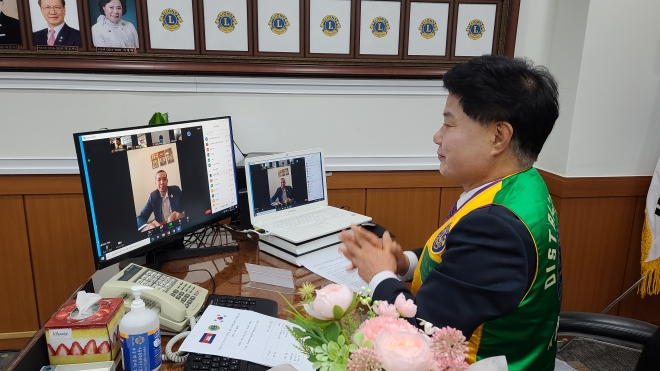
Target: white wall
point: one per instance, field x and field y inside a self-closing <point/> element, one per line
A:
<point x="609" y="76"/>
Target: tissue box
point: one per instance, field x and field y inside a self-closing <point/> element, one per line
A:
<point x="73" y="338"/>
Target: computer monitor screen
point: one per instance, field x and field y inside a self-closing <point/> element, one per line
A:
<point x="146" y="186"/>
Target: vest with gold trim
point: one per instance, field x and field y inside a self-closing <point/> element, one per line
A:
<point x="527" y="336"/>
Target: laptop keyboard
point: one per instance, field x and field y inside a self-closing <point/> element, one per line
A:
<point x="304" y="220"/>
<point x="207" y="362"/>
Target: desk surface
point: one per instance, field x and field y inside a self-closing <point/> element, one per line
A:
<point x="230" y="276"/>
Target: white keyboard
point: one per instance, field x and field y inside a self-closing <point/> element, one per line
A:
<point x="303" y="220"/>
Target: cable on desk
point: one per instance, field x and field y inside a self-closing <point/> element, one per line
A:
<point x="178" y="356"/>
<point x="248" y="231"/>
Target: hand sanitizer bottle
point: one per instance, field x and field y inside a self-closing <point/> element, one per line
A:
<point x="139" y="331"/>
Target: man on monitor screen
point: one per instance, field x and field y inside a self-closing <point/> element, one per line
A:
<point x="283" y="195"/>
<point x="165" y="203"/>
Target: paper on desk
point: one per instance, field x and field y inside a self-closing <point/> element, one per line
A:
<point x="270" y="275"/>
<point x="250" y="336"/>
<point x="331" y="264"/>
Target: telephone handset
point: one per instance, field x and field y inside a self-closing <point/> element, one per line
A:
<point x="173" y="300"/>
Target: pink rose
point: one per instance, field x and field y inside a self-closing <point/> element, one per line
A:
<point x="404" y="351"/>
<point x="374" y="326"/>
<point x="406" y="307"/>
<point x="326" y="299"/>
<point x="385" y="309"/>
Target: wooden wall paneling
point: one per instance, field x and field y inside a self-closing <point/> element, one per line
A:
<point x="557" y="202"/>
<point x="447" y="199"/>
<point x="39" y="184"/>
<point x="411" y="214"/>
<point x="594" y="235"/>
<point x="18" y="315"/>
<point x="388" y="179"/>
<point x="60" y="247"/>
<point x="14" y="344"/>
<point x="633" y="306"/>
<point x="356" y="199"/>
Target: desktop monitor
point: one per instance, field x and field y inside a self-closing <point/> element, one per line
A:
<point x="147" y="186"/>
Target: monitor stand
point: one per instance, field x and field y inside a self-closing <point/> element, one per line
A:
<point x="174" y="251"/>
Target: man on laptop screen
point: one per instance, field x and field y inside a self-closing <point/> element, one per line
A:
<point x="287" y="196"/>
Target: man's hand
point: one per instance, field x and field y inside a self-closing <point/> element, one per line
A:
<point x="402" y="261"/>
<point x="367" y="252"/>
<point x="175" y="216"/>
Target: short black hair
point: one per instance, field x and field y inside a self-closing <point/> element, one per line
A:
<point x="63" y="2"/>
<point x="158" y="172"/>
<point x="493" y="88"/>
<point x="102" y="3"/>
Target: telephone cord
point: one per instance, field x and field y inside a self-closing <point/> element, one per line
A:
<point x="178" y="356"/>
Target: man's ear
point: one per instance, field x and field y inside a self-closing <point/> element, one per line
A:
<point x="503" y="132"/>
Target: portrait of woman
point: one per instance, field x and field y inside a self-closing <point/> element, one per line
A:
<point x="110" y="29"/>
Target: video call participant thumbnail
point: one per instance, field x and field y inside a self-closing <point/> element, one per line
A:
<point x="10" y="28"/>
<point x="57" y="32"/>
<point x="165" y="203"/>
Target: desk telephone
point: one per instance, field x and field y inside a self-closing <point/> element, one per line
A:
<point x="172" y="299"/>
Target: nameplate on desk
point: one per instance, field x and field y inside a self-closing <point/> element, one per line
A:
<point x="57" y="47"/>
<point x="116" y="50"/>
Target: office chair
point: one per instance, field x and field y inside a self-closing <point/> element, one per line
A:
<point x="604" y="342"/>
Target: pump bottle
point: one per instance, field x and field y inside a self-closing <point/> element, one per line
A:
<point x="139" y="331"/>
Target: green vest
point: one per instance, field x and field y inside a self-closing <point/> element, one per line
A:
<point x="528" y="336"/>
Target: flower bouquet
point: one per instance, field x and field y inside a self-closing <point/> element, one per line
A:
<point x="340" y="330"/>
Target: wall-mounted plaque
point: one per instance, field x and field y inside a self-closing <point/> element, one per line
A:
<point x="55" y="25"/>
<point x="380" y="29"/>
<point x="227" y="27"/>
<point x="12" y="36"/>
<point x="279" y="28"/>
<point x="476" y="28"/>
<point x="428" y="31"/>
<point x="330" y="27"/>
<point x="171" y="26"/>
<point x="114" y="25"/>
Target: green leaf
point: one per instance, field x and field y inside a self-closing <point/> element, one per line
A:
<point x="352" y="348"/>
<point x="358" y="338"/>
<point x="368" y="344"/>
<point x="310" y="342"/>
<point x="341" y="340"/>
<point x="159" y="118"/>
<point x="332" y="332"/>
<point x="337" y="312"/>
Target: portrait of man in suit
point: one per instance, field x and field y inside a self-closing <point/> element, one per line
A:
<point x="57" y="31"/>
<point x="165" y="203"/>
<point x="283" y="194"/>
<point x="10" y="28"/>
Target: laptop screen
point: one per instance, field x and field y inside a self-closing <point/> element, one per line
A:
<point x="285" y="182"/>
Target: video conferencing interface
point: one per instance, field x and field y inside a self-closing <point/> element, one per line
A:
<point x="285" y="183"/>
<point x="146" y="184"/>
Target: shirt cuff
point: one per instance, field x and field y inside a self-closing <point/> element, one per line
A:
<point x="412" y="258"/>
<point x="380" y="277"/>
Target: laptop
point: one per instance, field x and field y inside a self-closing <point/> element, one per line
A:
<point x="288" y="196"/>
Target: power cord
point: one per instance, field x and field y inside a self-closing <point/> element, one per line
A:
<point x="247" y="232"/>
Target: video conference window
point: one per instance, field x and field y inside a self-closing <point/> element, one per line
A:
<point x="121" y="143"/>
<point x="160" y="137"/>
<point x="278" y="185"/>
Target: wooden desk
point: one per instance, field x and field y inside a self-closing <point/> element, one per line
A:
<point x="230" y="278"/>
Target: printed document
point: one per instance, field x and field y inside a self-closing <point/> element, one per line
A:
<point x="250" y="336"/>
<point x="331" y="264"/>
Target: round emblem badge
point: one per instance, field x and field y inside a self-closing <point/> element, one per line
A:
<point x="139" y="340"/>
<point x="428" y="28"/>
<point x="214" y="328"/>
<point x="475" y="29"/>
<point x="278" y="23"/>
<point x="171" y="19"/>
<point x="440" y="240"/>
<point x="226" y="21"/>
<point x="379" y="27"/>
<point x="330" y="25"/>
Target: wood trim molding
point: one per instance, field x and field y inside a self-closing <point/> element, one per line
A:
<point x="623" y="186"/>
<point x="39" y="184"/>
<point x="17" y="335"/>
<point x="388" y="179"/>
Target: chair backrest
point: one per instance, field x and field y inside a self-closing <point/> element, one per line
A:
<point x="649" y="359"/>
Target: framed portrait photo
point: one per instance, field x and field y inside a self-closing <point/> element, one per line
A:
<point x="477" y="29"/>
<point x="155" y="163"/>
<point x="428" y="29"/>
<point x="330" y="28"/>
<point x="227" y="27"/>
<point x="12" y="34"/>
<point x="279" y="28"/>
<point x="56" y="25"/>
<point x="171" y="26"/>
<point x="380" y="24"/>
<point x="114" y="25"/>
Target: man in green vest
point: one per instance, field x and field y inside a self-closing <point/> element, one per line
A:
<point x="493" y="268"/>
